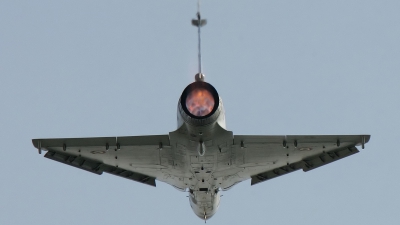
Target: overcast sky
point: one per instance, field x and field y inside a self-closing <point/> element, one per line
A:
<point x="112" y="68"/>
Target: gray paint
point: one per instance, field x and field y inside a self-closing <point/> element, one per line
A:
<point x="201" y="156"/>
<point x="80" y="69"/>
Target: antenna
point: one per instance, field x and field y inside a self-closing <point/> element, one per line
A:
<point x="199" y="23"/>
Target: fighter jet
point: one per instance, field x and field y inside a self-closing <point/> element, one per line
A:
<point x="201" y="157"/>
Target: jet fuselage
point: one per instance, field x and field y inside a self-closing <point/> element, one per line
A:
<point x="201" y="116"/>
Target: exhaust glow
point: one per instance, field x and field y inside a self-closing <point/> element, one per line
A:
<point x="200" y="102"/>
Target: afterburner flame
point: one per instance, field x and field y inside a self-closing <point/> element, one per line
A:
<point x="200" y="102"/>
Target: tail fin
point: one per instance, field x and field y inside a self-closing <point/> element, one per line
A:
<point x="196" y="23"/>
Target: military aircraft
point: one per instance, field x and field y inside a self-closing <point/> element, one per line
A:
<point x="201" y="156"/>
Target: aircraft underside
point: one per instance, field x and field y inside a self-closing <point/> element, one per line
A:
<point x="201" y="157"/>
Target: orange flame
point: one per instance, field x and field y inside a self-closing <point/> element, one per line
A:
<point x="200" y="102"/>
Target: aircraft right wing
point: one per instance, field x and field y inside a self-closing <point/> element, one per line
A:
<point x="262" y="157"/>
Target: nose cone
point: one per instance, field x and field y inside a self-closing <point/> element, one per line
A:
<point x="203" y="204"/>
<point x="205" y="215"/>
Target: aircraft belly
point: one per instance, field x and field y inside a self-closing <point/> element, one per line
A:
<point x="186" y="168"/>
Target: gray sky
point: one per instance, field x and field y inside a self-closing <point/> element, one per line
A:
<point x="108" y="68"/>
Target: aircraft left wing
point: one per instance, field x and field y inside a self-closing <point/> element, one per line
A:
<point x="134" y="157"/>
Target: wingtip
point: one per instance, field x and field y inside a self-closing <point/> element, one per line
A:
<point x="367" y="137"/>
<point x="35" y="142"/>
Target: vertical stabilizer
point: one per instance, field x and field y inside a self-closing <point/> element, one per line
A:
<point x="199" y="22"/>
